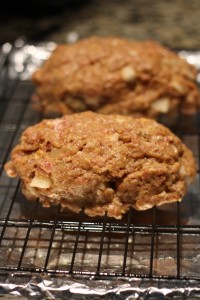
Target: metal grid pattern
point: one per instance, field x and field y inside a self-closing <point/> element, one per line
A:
<point x="158" y="243"/>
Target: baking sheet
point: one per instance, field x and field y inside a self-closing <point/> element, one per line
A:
<point x="15" y="88"/>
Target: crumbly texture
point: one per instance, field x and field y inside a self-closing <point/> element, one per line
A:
<point x="104" y="163"/>
<point x="114" y="75"/>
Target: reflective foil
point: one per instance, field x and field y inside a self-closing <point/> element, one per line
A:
<point x="30" y="286"/>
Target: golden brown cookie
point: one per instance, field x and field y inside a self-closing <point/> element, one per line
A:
<point x="115" y="75"/>
<point x="102" y="163"/>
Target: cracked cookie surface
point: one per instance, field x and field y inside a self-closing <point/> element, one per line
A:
<point x="102" y="163"/>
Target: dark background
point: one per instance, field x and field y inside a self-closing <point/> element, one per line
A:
<point x="175" y="23"/>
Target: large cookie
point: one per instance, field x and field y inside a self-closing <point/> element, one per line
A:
<point x="114" y="75"/>
<point x="102" y="163"/>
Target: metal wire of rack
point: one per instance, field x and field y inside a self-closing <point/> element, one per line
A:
<point x="153" y="244"/>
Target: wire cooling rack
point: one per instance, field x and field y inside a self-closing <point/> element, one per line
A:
<point x="162" y="242"/>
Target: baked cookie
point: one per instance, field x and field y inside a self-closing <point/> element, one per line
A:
<point x="102" y="163"/>
<point x="113" y="75"/>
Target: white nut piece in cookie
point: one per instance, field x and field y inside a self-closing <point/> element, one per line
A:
<point x="75" y="103"/>
<point x="178" y="87"/>
<point x="114" y="137"/>
<point x="161" y="105"/>
<point x="101" y="186"/>
<point x="128" y="74"/>
<point x="183" y="171"/>
<point x="41" y="182"/>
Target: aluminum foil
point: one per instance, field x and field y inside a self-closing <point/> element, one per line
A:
<point x="59" y="287"/>
<point x="23" y="60"/>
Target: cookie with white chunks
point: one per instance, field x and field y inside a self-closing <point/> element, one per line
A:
<point x="104" y="163"/>
<point x="116" y="75"/>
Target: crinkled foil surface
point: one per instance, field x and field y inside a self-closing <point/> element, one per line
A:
<point x="25" y="58"/>
<point x="67" y="287"/>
